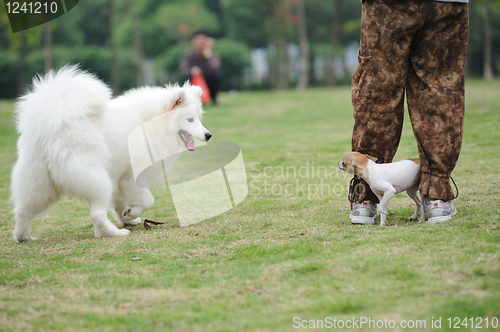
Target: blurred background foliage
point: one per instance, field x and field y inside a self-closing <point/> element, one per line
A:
<point x="128" y="43"/>
<point x="234" y="55"/>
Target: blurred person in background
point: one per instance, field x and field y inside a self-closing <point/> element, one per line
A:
<point x="203" y="61"/>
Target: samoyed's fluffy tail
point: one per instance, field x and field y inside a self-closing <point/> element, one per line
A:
<point x="60" y="98"/>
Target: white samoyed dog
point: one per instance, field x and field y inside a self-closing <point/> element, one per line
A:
<point x="74" y="140"/>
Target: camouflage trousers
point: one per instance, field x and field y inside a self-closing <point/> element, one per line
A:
<point x="418" y="46"/>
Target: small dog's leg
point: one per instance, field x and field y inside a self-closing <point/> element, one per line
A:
<point x="383" y="218"/>
<point x="422" y="216"/>
<point x="387" y="213"/>
<point x="415" y="215"/>
<point x="382" y="208"/>
<point x="412" y="192"/>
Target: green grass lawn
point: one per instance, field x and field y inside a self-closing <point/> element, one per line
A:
<point x="277" y="255"/>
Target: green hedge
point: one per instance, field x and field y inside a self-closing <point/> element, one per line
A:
<point x="235" y="58"/>
<point x="9" y="80"/>
<point x="94" y="59"/>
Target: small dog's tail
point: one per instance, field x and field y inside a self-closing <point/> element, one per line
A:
<point x="415" y="160"/>
<point x="60" y="98"/>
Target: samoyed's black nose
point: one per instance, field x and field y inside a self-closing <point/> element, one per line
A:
<point x="208" y="136"/>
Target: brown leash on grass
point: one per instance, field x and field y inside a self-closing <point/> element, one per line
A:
<point x="147" y="221"/>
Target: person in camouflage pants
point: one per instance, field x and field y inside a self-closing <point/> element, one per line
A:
<point x="418" y="46"/>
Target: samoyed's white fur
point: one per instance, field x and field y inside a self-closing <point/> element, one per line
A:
<point x="74" y="140"/>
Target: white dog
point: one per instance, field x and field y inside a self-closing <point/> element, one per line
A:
<point x="386" y="180"/>
<point x="74" y="140"/>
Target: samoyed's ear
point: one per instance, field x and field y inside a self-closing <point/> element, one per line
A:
<point x="178" y="99"/>
<point x="195" y="90"/>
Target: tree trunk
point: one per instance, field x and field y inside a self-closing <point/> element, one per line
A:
<point x="284" y="64"/>
<point x="335" y="42"/>
<point x="279" y="64"/>
<point x="136" y="27"/>
<point x="488" y="63"/>
<point x="115" y="64"/>
<point x="275" y="58"/>
<point x="47" y="32"/>
<point x="312" y="71"/>
<point x="304" y="47"/>
<point x="280" y="68"/>
<point x="282" y="47"/>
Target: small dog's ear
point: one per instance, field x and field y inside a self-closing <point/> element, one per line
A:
<point x="178" y="98"/>
<point x="354" y="165"/>
<point x="372" y="158"/>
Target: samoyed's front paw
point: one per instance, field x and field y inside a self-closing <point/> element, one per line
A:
<point x="24" y="239"/>
<point x="20" y="236"/>
<point x="112" y="232"/>
<point x="123" y="232"/>
<point x="133" y="222"/>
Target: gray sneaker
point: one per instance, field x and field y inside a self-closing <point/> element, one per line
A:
<point x="438" y="210"/>
<point x="363" y="213"/>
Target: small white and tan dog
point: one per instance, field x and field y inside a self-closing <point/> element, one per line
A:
<point x="386" y="180"/>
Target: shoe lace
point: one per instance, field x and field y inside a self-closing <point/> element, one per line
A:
<point x="366" y="205"/>
<point x="435" y="204"/>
